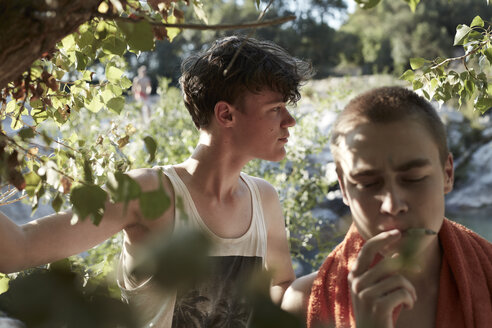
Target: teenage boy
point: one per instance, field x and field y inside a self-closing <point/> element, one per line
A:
<point x="238" y="105"/>
<point x="402" y="263"/>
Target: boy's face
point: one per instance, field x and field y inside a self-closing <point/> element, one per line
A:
<point x="392" y="178"/>
<point x="262" y="127"/>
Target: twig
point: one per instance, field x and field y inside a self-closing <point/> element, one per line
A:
<point x="460" y="57"/>
<point x="27" y="81"/>
<point x="42" y="160"/>
<point x="8" y="194"/>
<point x="262" y="14"/>
<point x="203" y="27"/>
<point x="53" y="140"/>
<point x="13" y="200"/>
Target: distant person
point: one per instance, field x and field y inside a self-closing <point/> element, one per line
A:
<point x="402" y="263"/>
<point x="240" y="115"/>
<point x="141" y="89"/>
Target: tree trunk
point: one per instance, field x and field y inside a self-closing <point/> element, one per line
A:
<point x="31" y="28"/>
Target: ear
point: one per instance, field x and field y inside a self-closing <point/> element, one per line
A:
<point x="448" y="174"/>
<point x="341" y="183"/>
<point x="224" y="113"/>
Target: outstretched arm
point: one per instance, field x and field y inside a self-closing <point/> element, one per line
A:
<point x="53" y="237"/>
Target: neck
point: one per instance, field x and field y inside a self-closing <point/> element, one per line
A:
<point x="214" y="167"/>
<point x="429" y="260"/>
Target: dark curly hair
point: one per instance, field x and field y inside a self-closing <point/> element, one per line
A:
<point x="386" y="105"/>
<point x="207" y="78"/>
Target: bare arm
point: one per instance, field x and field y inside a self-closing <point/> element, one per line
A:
<point x="278" y="260"/>
<point x="53" y="237"/>
<point x="296" y="297"/>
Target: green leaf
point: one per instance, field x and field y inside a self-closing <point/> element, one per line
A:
<point x="138" y="35"/>
<point x="114" y="45"/>
<point x="462" y="32"/>
<point x="367" y="4"/>
<point x="57" y="202"/>
<point x="409" y="76"/>
<point x="113" y="74"/>
<point x="483" y="104"/>
<point x="16" y="123"/>
<point x="151" y="147"/>
<point x="68" y="43"/>
<point x="116" y="104"/>
<point x="200" y="13"/>
<point x="477" y="21"/>
<point x="122" y="187"/>
<point x="417" y="84"/>
<point x="88" y="202"/>
<point x="154" y="203"/>
<point x="488" y="53"/>
<point x="82" y="60"/>
<point x="39" y="114"/>
<point x="470" y="87"/>
<point x="88" y="176"/>
<point x="26" y="133"/>
<point x="413" y="4"/>
<point x="4" y="283"/>
<point x="32" y="182"/>
<point x="125" y="83"/>
<point x="172" y="32"/>
<point x="417" y="62"/>
<point x="95" y="105"/>
<point x="12" y="106"/>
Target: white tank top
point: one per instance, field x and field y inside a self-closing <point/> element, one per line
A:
<point x="233" y="260"/>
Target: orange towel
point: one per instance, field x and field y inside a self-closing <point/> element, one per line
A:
<point x="465" y="289"/>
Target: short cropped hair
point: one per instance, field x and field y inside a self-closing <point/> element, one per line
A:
<point x="387" y="105"/>
<point x="257" y="65"/>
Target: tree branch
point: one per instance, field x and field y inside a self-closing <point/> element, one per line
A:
<point x="203" y="27"/>
<point x="448" y="60"/>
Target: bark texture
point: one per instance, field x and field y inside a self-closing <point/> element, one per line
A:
<point x="30" y="28"/>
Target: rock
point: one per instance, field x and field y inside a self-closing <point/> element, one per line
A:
<point x="11" y="323"/>
<point x="476" y="188"/>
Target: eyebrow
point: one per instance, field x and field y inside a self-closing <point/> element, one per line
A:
<point x="275" y="102"/>
<point x="415" y="163"/>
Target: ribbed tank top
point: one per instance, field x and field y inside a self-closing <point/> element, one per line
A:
<point x="213" y="301"/>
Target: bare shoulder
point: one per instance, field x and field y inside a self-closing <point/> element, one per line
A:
<point x="267" y="191"/>
<point x="151" y="179"/>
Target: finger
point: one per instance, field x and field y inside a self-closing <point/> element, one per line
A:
<point x="382" y="270"/>
<point x="372" y="247"/>
<point x="387" y="303"/>
<point x="377" y="292"/>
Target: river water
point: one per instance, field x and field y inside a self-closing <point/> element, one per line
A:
<point x="476" y="219"/>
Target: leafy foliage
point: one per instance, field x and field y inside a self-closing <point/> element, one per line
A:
<point x="72" y="131"/>
<point x="437" y="79"/>
<point x="463" y="78"/>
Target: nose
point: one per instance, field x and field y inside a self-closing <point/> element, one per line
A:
<point x="393" y="201"/>
<point x="288" y="120"/>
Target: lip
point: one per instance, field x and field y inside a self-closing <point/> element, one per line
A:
<point x="284" y="138"/>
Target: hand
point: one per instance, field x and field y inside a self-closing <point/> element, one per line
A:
<point x="378" y="290"/>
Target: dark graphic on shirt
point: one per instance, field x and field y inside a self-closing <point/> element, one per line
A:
<point x="217" y="301"/>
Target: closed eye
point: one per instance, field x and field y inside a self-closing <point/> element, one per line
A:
<point x="366" y="184"/>
<point x="414" y="179"/>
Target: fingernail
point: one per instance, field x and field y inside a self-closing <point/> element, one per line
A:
<point x="393" y="232"/>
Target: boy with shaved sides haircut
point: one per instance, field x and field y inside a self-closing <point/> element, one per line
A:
<point x="238" y="103"/>
<point x="402" y="263"/>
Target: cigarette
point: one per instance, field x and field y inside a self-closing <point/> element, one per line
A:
<point x="419" y="232"/>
